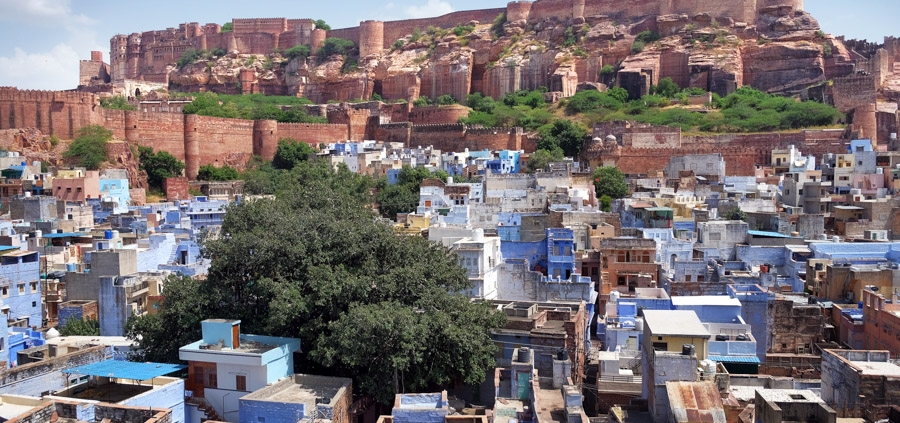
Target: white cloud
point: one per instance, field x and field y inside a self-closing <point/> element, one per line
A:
<point x="56" y="69"/>
<point x="47" y="67"/>
<point x="430" y="9"/>
<point x="44" y="13"/>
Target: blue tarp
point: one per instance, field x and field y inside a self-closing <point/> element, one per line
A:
<point x="768" y="234"/>
<point x="126" y="369"/>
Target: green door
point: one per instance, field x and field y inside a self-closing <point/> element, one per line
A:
<point x="524" y="381"/>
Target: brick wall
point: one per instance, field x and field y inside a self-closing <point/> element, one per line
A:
<point x="313" y="133"/>
<point x="176" y="189"/>
<point x="438" y="114"/>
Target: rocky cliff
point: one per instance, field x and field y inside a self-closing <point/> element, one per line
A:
<point x="783" y="51"/>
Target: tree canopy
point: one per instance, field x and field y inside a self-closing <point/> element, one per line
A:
<point x="315" y="264"/>
<point x="610" y="181"/>
<point x="565" y="134"/>
<point x="290" y="152"/>
<point x="90" y="146"/>
<point x="213" y="173"/>
<point x="541" y="158"/>
<point x="159" y="166"/>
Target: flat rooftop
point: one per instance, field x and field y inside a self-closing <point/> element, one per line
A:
<point x="877" y="368"/>
<point x="675" y="323"/>
<point x="705" y="300"/>
<point x="789" y="395"/>
<point x="302" y="389"/>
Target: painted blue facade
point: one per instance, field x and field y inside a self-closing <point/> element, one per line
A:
<point x="271" y="412"/>
<point x="67" y="313"/>
<point x="754" y="310"/>
<point x="21" y="288"/>
<point x="204" y="213"/>
<point x="534" y="252"/>
<point x="560" y="253"/>
<point x="859" y="145"/>
<point x="157" y="251"/>
<point x="393" y="176"/>
<point x="22" y="339"/>
<point x="509" y="161"/>
<point x="186" y="260"/>
<point x="117" y="189"/>
<point x="711" y="308"/>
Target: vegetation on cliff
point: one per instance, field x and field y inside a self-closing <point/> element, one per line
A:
<point x="367" y="304"/>
<point x="116" y="102"/>
<point x="159" y="166"/>
<point x="217" y="173"/>
<point x="89" y="149"/>
<point x="252" y="106"/>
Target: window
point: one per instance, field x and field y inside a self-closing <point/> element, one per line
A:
<point x="212" y="381"/>
<point x="21" y="288"/>
<point x="198" y="375"/>
<point x="5" y="291"/>
<point x="240" y="382"/>
<point x="34" y="304"/>
<point x="687" y="278"/>
<point x="34" y="287"/>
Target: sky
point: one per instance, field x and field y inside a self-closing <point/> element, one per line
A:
<point x="43" y="40"/>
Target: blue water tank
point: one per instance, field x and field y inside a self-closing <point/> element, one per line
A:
<point x="70" y="267"/>
<point x="107" y="234"/>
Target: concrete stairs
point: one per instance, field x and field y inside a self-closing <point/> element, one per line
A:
<point x="205" y="407"/>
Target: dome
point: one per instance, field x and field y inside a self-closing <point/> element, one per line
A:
<point x="52" y="333"/>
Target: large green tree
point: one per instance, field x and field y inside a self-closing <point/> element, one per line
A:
<point x="90" y="146"/>
<point x="565" y="134"/>
<point x="404" y="196"/>
<point x="290" y="152"/>
<point x="610" y="181"/>
<point x="159" y="166"/>
<point x="313" y="263"/>
<point x="80" y="327"/>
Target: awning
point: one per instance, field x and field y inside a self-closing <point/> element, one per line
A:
<point x="126" y="369"/>
<point x="747" y="359"/>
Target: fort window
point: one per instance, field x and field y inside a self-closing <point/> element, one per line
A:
<point x="21" y="288"/>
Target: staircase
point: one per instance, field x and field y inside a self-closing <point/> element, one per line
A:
<point x="205" y="407"/>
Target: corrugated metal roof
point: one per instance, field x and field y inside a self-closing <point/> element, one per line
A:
<point x="65" y="235"/>
<point x="695" y="402"/>
<point x="749" y="359"/>
<point x="126" y="369"/>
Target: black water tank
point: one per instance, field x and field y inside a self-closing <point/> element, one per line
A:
<point x="687" y="349"/>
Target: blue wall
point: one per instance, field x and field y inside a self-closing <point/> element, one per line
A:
<point x="23" y="270"/>
<point x="169" y="396"/>
<point x="534" y="252"/>
<point x="271" y="412"/>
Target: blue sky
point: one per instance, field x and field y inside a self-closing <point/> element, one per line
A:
<point x="42" y="40"/>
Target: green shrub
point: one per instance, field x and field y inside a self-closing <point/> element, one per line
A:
<point x="297" y="51"/>
<point x="497" y="25"/>
<point x="570" y="38"/>
<point x="90" y="146"/>
<point x="461" y="30"/>
<point x="446" y="100"/>
<point x="335" y="46"/>
<point x="607" y="70"/>
<point x="189" y="56"/>
<point x="212" y="173"/>
<point x="116" y="102"/>
<point x="54" y="140"/>
<point x="218" y="52"/>
<point x="228" y="27"/>
<point x="398" y="44"/>
<point x="637" y="47"/>
<point x="647" y="37"/>
<point x="422" y="101"/>
<point x="416" y="35"/>
<point x="589" y="100"/>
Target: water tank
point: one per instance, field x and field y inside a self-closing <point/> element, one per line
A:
<point x="52" y="333"/>
<point x="478" y="235"/>
<point x="614" y="297"/>
<point x="115" y="234"/>
<point x="639" y="324"/>
<point x="70" y="267"/>
<point x="709" y="366"/>
<point x="561" y="355"/>
<point x="823" y="237"/>
<point x="687" y="349"/>
<point x="879" y="171"/>
<point x="449" y="180"/>
<point x="836" y="238"/>
<point x="38" y="233"/>
<point x="107" y="234"/>
<point x="524" y="355"/>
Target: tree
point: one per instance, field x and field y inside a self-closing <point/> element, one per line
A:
<point x="290" y="152"/>
<point x="212" y="173"/>
<point x="541" y="158"/>
<point x="228" y="27"/>
<point x="297" y="51"/>
<point x="313" y="263"/>
<point x="90" y="146"/>
<point x="404" y="196"/>
<point x="610" y="181"/>
<point x="320" y="24"/>
<point x="159" y="166"/>
<point x="565" y="134"/>
<point x="77" y="326"/>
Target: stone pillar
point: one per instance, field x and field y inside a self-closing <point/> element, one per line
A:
<point x="192" y="145"/>
<point x="578" y="11"/>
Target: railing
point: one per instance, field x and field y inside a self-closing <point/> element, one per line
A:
<point x="620" y="379"/>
